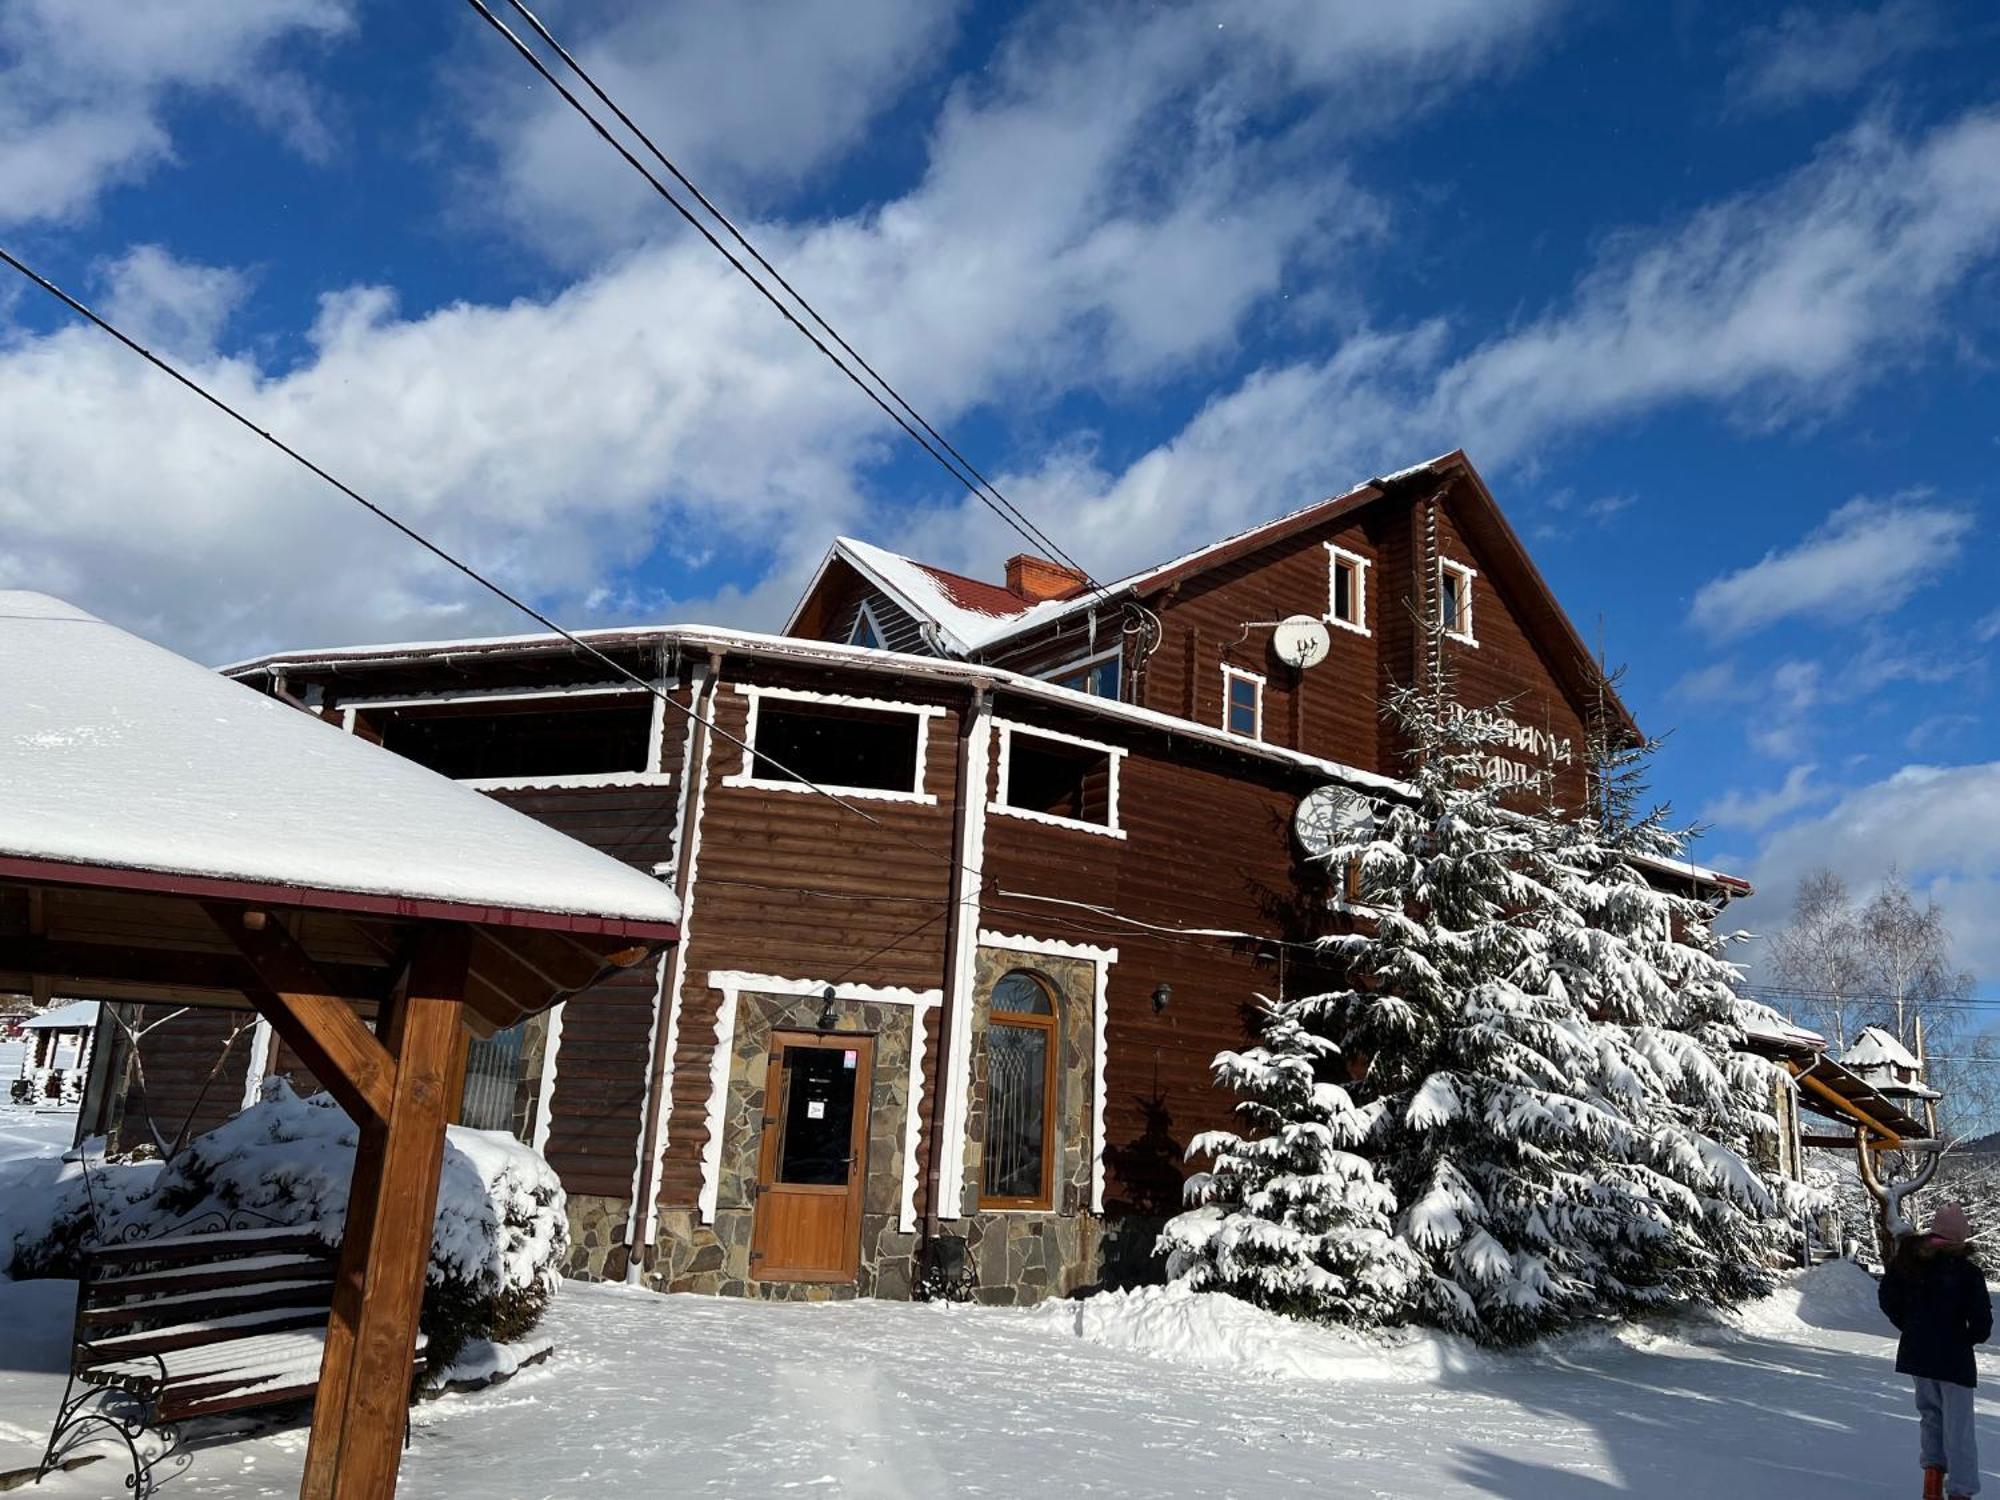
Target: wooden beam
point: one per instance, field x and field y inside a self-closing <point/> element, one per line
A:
<point x="319" y="1026"/>
<point x="1854" y="1111"/>
<point x="176" y="968"/>
<point x="361" y="1411"/>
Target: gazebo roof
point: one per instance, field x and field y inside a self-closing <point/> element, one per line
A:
<point x="117" y="755"/>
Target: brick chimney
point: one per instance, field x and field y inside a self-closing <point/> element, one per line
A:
<point x="1036" y="578"/>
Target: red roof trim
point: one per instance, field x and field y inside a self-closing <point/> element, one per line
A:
<point x="265" y="893"/>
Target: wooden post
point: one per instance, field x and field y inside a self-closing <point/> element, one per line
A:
<point x="363" y="1402"/>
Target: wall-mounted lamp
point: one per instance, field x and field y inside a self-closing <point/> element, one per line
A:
<point x="826" y="1015"/>
<point x="1163" y="994"/>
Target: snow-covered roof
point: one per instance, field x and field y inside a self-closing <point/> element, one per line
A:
<point x="118" y="754"/>
<point x="1763" y="1024"/>
<point x="973" y="616"/>
<point x="1876" y="1048"/>
<point x="78" y="1015"/>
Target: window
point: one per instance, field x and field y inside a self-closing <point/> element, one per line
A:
<point x="866" y="631"/>
<point x="1242" y="703"/>
<point x="1057" y="778"/>
<point x="1019" y="1157"/>
<point x="860" y="746"/>
<point x="503" y="1079"/>
<point x="1455" y="600"/>
<point x="528" y="739"/>
<point x="1347" y="589"/>
<point x="1100" y="677"/>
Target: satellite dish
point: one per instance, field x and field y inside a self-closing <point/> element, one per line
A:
<point x="1301" y="641"/>
<point x="1329" y="816"/>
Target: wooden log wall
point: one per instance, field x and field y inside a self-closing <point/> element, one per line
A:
<point x="791" y="884"/>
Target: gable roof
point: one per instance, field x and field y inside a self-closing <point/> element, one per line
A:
<point x="973" y="618"/>
<point x="118" y="755"/>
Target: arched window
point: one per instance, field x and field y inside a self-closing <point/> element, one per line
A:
<point x="1021" y="1047"/>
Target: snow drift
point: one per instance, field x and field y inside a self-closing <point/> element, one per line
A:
<point x="497" y="1244"/>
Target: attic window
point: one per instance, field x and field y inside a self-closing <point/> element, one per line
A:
<point x="535" y="740"/>
<point x="865" y="632"/>
<point x="1049" y="777"/>
<point x="1455" y="600"/>
<point x="1347" y="589"/>
<point x="860" y="747"/>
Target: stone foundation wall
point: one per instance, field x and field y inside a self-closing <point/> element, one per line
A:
<point x="597" y="1249"/>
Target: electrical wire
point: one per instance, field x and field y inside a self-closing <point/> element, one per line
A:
<point x="735" y="233"/>
<point x="1031" y="535"/>
<point x="437" y="551"/>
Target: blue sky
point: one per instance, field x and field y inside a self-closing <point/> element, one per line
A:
<point x="1707" y="292"/>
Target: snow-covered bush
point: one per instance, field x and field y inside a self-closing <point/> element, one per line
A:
<point x="1531" y="1103"/>
<point x="497" y="1244"/>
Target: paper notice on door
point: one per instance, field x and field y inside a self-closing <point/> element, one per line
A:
<point x="815" y="1109"/>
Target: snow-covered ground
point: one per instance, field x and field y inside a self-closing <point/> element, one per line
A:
<point x="1151" y="1394"/>
<point x="1154" y="1395"/>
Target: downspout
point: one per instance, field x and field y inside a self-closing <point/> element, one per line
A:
<point x="965" y="888"/>
<point x="693" y="797"/>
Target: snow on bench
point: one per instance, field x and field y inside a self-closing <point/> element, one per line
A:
<point x="193" y="1324"/>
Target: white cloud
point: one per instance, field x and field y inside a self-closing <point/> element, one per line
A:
<point x="1939" y="824"/>
<point x="1092" y="212"/>
<point x="1864" y="560"/>
<point x="176" y="307"/>
<point x="1771" y="306"/>
<point x="1988" y="628"/>
<point x="85" y="89"/>
<point x="1088" y="109"/>
<point x="749" y="100"/>
<point x="1822" y="53"/>
<point x="1755" y="810"/>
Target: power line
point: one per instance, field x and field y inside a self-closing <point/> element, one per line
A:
<point x="967" y="476"/>
<point x="687" y="711"/>
<point x="796" y="295"/>
<point x="445" y="557"/>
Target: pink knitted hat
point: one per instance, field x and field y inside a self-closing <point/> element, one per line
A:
<point x="1950" y="1225"/>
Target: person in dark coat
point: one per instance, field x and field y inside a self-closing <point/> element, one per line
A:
<point x="1935" y="1294"/>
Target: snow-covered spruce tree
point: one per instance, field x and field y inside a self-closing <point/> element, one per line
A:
<point x="1468" y="1065"/>
<point x="1694" y="1219"/>
<point x="1291" y="1218"/>
<point x="1532" y="1103"/>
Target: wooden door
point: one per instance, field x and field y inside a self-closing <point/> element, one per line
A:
<point x="814" y="1162"/>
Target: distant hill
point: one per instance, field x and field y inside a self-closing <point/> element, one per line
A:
<point x="1985" y="1145"/>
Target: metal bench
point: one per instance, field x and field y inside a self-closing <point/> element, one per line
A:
<point x="191" y="1324"/>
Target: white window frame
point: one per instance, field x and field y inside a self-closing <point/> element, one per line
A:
<point x="1465" y="576"/>
<point x="653" y="775"/>
<point x="746" y="776"/>
<point x="1084" y="664"/>
<point x="1228" y="672"/>
<point x="874" y="627"/>
<point x="1337" y="555"/>
<point x="1111" y="828"/>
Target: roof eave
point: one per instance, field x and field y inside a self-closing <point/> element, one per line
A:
<point x="321" y="898"/>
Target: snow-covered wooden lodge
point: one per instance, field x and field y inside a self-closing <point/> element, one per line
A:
<point x="961" y="1018"/>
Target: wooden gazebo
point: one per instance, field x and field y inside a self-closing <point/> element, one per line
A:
<point x="167" y="835"/>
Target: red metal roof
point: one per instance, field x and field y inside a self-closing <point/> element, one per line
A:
<point x="971" y="593"/>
